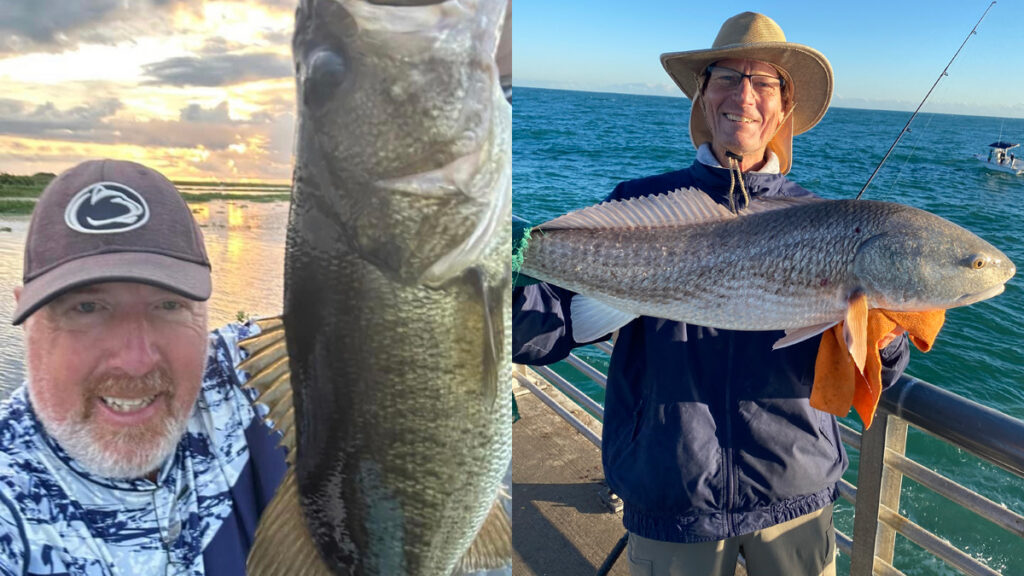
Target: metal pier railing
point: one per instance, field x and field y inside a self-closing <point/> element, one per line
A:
<point x="982" y="431"/>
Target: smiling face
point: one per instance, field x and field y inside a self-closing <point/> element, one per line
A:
<point x="114" y="371"/>
<point x="741" y="119"/>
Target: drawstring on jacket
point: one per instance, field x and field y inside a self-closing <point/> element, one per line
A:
<point x="734" y="174"/>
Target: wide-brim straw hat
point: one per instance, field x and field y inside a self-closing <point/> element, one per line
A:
<point x="753" y="36"/>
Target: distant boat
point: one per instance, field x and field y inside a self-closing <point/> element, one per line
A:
<point x="1001" y="159"/>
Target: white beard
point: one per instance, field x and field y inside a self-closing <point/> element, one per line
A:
<point x="124" y="456"/>
<point x="131" y="452"/>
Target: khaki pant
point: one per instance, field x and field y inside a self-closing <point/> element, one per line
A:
<point x="804" y="546"/>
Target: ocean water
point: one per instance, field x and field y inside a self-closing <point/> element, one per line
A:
<point x="571" y="148"/>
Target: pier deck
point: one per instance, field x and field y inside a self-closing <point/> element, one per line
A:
<point x="560" y="524"/>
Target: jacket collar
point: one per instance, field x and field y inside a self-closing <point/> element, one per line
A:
<point x="714" y="181"/>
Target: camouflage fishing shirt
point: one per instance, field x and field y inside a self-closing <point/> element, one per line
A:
<point x="197" y="518"/>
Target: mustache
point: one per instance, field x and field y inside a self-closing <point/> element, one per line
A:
<point x="154" y="382"/>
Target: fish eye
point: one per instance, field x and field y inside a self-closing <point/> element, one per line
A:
<point x="325" y="73"/>
<point x="978" y="262"/>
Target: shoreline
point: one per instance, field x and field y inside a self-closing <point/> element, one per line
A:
<point x="18" y="194"/>
<point x="23" y="206"/>
<point x="234" y="212"/>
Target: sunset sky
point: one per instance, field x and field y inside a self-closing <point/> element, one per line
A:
<point x="203" y="89"/>
<point x="198" y="89"/>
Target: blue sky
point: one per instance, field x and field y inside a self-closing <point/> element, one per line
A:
<point x="885" y="54"/>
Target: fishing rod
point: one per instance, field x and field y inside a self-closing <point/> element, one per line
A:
<point x="945" y="72"/>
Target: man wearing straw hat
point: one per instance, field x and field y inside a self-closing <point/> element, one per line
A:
<point x="709" y="437"/>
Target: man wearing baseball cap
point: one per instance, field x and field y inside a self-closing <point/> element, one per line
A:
<point x="709" y="437"/>
<point x="131" y="448"/>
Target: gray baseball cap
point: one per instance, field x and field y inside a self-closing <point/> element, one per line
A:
<point x="111" y="221"/>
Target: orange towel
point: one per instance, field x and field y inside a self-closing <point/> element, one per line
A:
<point x="848" y="370"/>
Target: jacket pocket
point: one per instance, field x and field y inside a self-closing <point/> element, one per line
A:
<point x="826" y="429"/>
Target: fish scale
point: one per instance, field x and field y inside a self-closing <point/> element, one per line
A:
<point x="778" y="266"/>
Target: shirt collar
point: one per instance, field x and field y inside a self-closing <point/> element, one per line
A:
<point x="706" y="156"/>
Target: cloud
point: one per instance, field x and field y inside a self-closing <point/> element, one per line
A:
<point x="217" y="45"/>
<point x="218" y="70"/>
<point x="196" y="113"/>
<point x="47" y="121"/>
<point x="47" y="21"/>
<point x="59" y="25"/>
<point x="97" y="123"/>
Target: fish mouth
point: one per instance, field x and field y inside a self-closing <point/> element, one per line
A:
<point x="979" y="296"/>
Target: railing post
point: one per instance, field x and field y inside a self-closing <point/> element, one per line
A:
<point x="892" y="483"/>
<point x="876" y="486"/>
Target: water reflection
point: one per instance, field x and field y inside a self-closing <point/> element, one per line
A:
<point x="245" y="242"/>
<point x="201" y="212"/>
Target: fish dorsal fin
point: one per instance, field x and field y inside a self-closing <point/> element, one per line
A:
<point x="678" y="207"/>
<point x="681" y="206"/>
<point x="283" y="545"/>
<point x="270" y="376"/>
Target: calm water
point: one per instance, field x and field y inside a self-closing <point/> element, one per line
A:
<point x="571" y="148"/>
<point x="245" y="243"/>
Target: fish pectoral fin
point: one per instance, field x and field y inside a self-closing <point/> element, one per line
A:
<point x="270" y="377"/>
<point x="593" y="320"/>
<point x="283" y="545"/>
<point x="492" y="547"/>
<point x="855" y="329"/>
<point x="493" y="298"/>
<point x="797" y="335"/>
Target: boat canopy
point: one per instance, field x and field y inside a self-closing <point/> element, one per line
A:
<point x="1003" y="145"/>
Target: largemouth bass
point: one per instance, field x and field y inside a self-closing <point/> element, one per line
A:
<point x="790" y="264"/>
<point x="397" y="284"/>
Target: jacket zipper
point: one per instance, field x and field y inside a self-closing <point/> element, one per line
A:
<point x="730" y="474"/>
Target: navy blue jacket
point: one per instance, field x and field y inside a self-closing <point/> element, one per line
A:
<point x="708" y="434"/>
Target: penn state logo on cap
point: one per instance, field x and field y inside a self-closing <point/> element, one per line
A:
<point x="106" y="208"/>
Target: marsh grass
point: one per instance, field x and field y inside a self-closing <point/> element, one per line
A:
<point x="18" y="194"/>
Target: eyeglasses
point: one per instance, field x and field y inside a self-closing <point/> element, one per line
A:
<point x="727" y="79"/>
